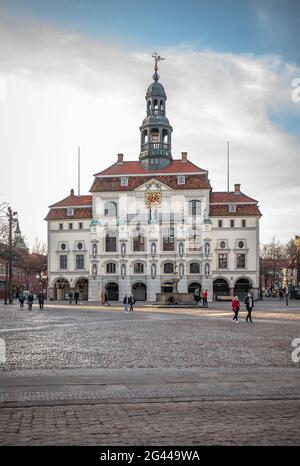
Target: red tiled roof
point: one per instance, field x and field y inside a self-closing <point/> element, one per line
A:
<point x="231" y="197"/>
<point x="74" y="201"/>
<point x="241" y="210"/>
<point x="135" y="168"/>
<point x="114" y="183"/>
<point x="79" y="213"/>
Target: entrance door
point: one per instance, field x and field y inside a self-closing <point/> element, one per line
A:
<point x="193" y="286"/>
<point x="82" y="286"/>
<point x="139" y="291"/>
<point x="112" y="291"/>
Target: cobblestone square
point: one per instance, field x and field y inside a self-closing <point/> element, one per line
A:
<point x="159" y="376"/>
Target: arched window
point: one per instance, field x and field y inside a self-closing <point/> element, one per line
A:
<point x="111" y="241"/>
<point x="94" y="249"/>
<point x="138" y="268"/>
<point x="161" y="105"/>
<point x="194" y="239"/>
<point x="155" y="135"/>
<point x="111" y="267"/>
<point x="168" y="267"/>
<point x="110" y="209"/>
<point x="138" y="240"/>
<point x="194" y="207"/>
<point x="194" y="267"/>
<point x="149" y="105"/>
<point x="165" y="136"/>
<point x="155" y="104"/>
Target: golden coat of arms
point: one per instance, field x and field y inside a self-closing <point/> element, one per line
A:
<point x="152" y="199"/>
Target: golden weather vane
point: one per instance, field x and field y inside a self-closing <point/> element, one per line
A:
<point x="157" y="58"/>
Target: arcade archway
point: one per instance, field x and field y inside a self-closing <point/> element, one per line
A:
<point x="221" y="287"/>
<point x="82" y="286"/>
<point x="61" y="289"/>
<point x="112" y="291"/>
<point x="139" y="291"/>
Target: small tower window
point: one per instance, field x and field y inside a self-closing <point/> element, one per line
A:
<point x="165" y="136"/>
<point x="144" y="136"/>
<point x="155" y="104"/>
<point x="149" y="105"/>
<point x="161" y="104"/>
<point x="154" y="135"/>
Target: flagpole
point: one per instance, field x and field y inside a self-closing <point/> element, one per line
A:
<point x="228" y="166"/>
<point x="78" y="171"/>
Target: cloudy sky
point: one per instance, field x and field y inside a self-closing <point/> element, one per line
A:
<point x="74" y="73"/>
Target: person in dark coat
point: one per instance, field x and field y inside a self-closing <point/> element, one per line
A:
<point x="249" y="306"/>
<point x="70" y="297"/>
<point x="30" y="300"/>
<point x="21" y="299"/>
<point x="76" y="296"/>
<point x="41" y="299"/>
<point x="131" y="302"/>
<point x="126" y="303"/>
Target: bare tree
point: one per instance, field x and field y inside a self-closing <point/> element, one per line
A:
<point x="39" y="247"/>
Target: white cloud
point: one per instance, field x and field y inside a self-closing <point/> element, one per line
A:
<point x="64" y="90"/>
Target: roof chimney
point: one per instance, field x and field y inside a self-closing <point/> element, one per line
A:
<point x="72" y="192"/>
<point x="120" y="158"/>
<point x="184" y="156"/>
<point x="237" y="189"/>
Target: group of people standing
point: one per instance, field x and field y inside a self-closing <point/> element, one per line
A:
<point x="201" y="295"/>
<point x="235" y="306"/>
<point x="29" y="298"/>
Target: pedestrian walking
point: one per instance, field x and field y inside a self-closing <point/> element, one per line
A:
<point x="205" y="297"/>
<point x="286" y="296"/>
<point x="235" y="306"/>
<point x="21" y="299"/>
<point x="76" y="296"/>
<point x="106" y="300"/>
<point x="202" y="297"/>
<point x="70" y="297"/>
<point x="102" y="298"/>
<point x="197" y="295"/>
<point x="131" y="302"/>
<point x="41" y="299"/>
<point x="30" y="300"/>
<point x="249" y="306"/>
<point x="125" y="303"/>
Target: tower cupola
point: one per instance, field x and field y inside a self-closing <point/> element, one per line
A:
<point x="156" y="130"/>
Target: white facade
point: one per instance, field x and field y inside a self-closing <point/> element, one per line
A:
<point x="197" y="249"/>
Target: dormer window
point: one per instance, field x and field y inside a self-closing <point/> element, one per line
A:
<point x="232" y="207"/>
<point x="181" y="179"/>
<point x="124" y="181"/>
<point x="70" y="212"/>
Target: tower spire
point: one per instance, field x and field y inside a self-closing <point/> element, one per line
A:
<point x="156" y="130"/>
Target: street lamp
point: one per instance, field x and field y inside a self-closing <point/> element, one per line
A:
<point x="12" y="218"/>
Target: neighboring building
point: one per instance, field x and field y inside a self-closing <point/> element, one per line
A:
<point x="25" y="268"/>
<point x="153" y="225"/>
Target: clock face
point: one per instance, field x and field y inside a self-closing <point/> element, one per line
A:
<point x="152" y="199"/>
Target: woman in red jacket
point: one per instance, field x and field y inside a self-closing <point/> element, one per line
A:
<point x="235" y="306"/>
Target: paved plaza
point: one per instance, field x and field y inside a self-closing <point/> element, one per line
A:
<point x="158" y="376"/>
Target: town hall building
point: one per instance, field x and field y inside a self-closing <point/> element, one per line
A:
<point x="153" y="226"/>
